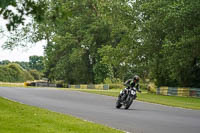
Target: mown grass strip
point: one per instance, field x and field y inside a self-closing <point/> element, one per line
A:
<point x="7" y="84"/>
<point x="20" y="118"/>
<point x="175" y="101"/>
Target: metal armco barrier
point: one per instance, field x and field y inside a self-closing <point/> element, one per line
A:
<point x="179" y="91"/>
<point x="90" y="86"/>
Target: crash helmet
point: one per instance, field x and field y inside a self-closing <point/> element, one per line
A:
<point x="136" y="78"/>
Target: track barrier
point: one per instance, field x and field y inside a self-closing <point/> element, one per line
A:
<point x="179" y="91"/>
<point x="91" y="86"/>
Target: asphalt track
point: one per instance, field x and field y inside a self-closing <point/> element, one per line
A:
<point x="140" y="118"/>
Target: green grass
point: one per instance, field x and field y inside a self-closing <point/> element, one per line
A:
<point x="175" y="101"/>
<point x="7" y="84"/>
<point x="20" y="118"/>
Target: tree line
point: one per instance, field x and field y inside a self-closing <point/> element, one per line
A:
<point x="91" y="41"/>
<point x="15" y="73"/>
<point x="35" y="62"/>
<point x="22" y="71"/>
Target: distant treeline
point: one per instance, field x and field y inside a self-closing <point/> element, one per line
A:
<point x="35" y="63"/>
<point x="21" y="71"/>
<point x="15" y="73"/>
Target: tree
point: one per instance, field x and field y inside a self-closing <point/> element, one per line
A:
<point x="36" y="62"/>
<point x="4" y="62"/>
<point x="14" y="73"/>
<point x="76" y="32"/>
<point x="23" y="8"/>
<point x="169" y="35"/>
<point x="76" y="39"/>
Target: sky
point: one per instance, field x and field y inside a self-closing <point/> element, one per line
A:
<point x="22" y="54"/>
<point x="19" y="53"/>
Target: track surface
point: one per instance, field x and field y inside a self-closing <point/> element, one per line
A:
<point x="140" y="118"/>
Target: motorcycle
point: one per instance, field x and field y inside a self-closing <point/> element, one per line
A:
<point x="126" y="98"/>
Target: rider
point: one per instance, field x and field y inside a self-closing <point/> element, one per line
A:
<point x="130" y="83"/>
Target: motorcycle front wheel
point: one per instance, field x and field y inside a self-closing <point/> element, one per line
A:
<point x="118" y="104"/>
<point x="129" y="102"/>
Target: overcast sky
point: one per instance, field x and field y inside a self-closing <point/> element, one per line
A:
<point x="19" y="54"/>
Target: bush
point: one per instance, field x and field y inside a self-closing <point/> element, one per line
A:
<point x="151" y="87"/>
<point x="143" y="86"/>
<point x="36" y="74"/>
<point x="60" y="83"/>
<point x="13" y="73"/>
<point x="112" y="81"/>
<point x="116" y="86"/>
<point x="28" y="76"/>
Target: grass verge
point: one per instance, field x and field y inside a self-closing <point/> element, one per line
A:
<point x="175" y="101"/>
<point x="7" y="84"/>
<point x="20" y="118"/>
